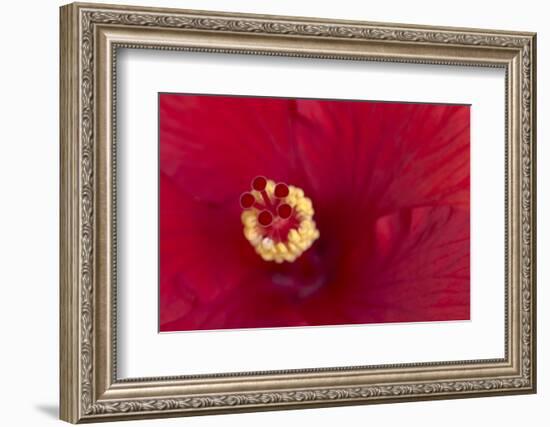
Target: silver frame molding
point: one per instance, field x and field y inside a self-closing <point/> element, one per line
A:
<point x="90" y="37"/>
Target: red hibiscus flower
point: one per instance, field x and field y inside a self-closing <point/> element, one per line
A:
<point x="388" y="185"/>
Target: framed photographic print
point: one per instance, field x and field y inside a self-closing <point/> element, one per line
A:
<point x="265" y="212"/>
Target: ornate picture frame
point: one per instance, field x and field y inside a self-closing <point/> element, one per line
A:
<point x="91" y="35"/>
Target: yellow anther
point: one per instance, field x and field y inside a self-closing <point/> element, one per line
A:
<point x="293" y="249"/>
<point x="293" y="236"/>
<point x="252" y="235"/>
<point x="249" y="219"/>
<point x="299" y="238"/>
<point x="281" y="248"/>
<point x="267" y="244"/>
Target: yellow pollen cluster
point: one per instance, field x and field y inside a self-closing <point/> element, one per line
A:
<point x="298" y="240"/>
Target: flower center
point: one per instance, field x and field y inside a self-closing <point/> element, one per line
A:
<point x="278" y="220"/>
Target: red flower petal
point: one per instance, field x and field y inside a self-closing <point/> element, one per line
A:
<point x="200" y="255"/>
<point x="212" y="146"/>
<point x="385" y="155"/>
<point x="418" y="268"/>
<point x="241" y="307"/>
<point x="390" y="186"/>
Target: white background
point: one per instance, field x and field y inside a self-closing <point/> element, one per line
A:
<point x="29" y="170"/>
<point x="145" y="353"/>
